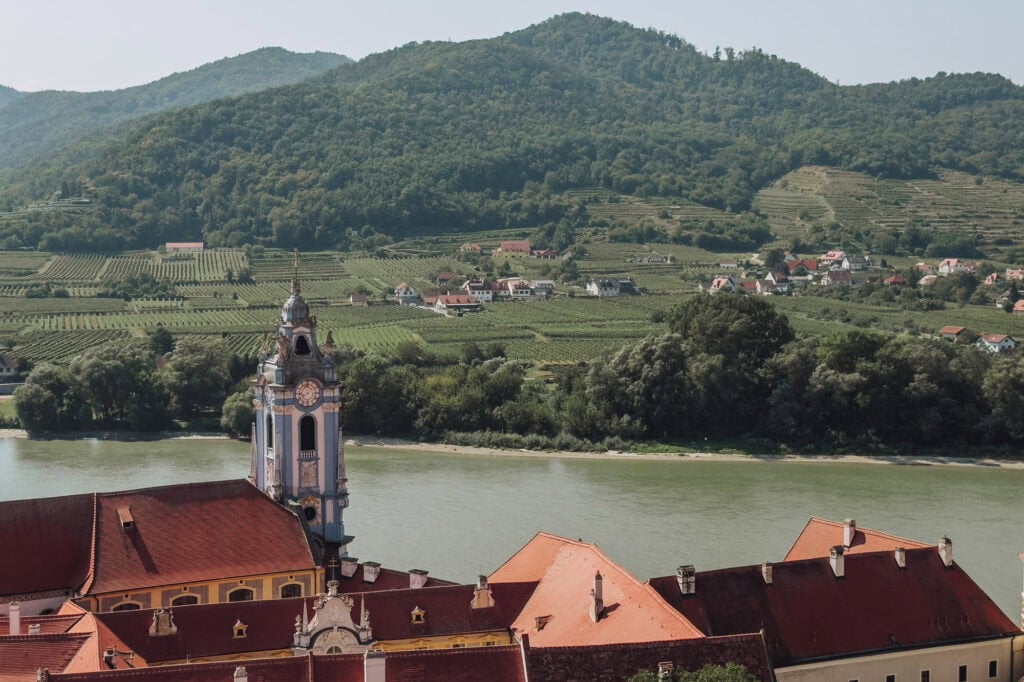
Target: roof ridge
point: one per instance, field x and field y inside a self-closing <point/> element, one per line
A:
<point x="90" y="576"/>
<point x="187" y="484"/>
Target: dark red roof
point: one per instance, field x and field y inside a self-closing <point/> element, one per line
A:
<point x="48" y="625"/>
<point x="337" y="668"/>
<point x="21" y="656"/>
<point x="807" y="613"/>
<point x="388" y="579"/>
<point x="621" y="661"/>
<point x="46" y="544"/>
<point x="472" y="664"/>
<point x="192" y="532"/>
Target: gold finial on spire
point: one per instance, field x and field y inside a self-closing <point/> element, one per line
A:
<point x="296" y="287"/>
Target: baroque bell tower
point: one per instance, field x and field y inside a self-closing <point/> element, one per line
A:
<point x="298" y="453"/>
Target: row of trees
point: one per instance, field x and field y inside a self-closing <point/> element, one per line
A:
<point x="137" y="385"/>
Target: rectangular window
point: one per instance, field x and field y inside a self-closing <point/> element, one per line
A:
<point x="890" y="678"/>
<point x="926" y="676"/>
<point x="993" y="668"/>
<point x="961" y="675"/>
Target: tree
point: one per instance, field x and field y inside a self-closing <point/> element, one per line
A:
<point x="196" y="375"/>
<point x="237" y="414"/>
<point x="161" y="341"/>
<point x="730" y="672"/>
<point x="744" y="328"/>
<point x="37" y="408"/>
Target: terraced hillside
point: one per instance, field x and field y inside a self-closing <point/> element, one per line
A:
<point x="808" y="199"/>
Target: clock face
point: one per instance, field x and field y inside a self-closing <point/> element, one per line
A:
<point x="307" y="393"/>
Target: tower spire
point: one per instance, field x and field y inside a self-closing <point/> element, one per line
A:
<point x="296" y="287"/>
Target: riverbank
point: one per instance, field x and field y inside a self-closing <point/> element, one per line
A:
<point x="904" y="460"/>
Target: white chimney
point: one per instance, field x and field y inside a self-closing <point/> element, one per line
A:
<point x="15" y="618"/>
<point x="373" y="666"/>
<point x="417" y="578"/>
<point x="849" y="532"/>
<point x="837" y="560"/>
<point x="946" y="551"/>
<point x="241" y="675"/>
<point x="901" y="557"/>
<point x="686" y="576"/>
<point x="371" y="571"/>
<point x="597" y="598"/>
<point x="766" y="572"/>
<point x="349" y="565"/>
<point x="482" y="596"/>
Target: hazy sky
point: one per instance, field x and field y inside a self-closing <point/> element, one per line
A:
<point x="105" y="44"/>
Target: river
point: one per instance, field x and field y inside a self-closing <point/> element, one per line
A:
<point x="461" y="515"/>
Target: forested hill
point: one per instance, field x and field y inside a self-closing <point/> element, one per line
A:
<point x="37" y="123"/>
<point x="488" y="133"/>
<point x="8" y="95"/>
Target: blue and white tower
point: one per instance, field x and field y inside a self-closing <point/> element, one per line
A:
<point x="298" y="455"/>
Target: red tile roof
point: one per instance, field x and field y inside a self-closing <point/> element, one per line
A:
<point x="565" y="571"/>
<point x="821" y="535"/>
<point x="192" y="532"/>
<point x="339" y="668"/>
<point x="46" y="543"/>
<point x="388" y="579"/>
<point x="48" y="625"/>
<point x="621" y="661"/>
<point x="515" y="247"/>
<point x="493" y="664"/>
<point x="806" y="611"/>
<point x="994" y="338"/>
<point x="21" y="656"/>
<point x="456" y="299"/>
<point x="950" y="329"/>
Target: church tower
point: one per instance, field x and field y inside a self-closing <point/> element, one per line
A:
<point x="298" y="455"/>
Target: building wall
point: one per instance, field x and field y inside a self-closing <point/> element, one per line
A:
<point x="942" y="662"/>
<point x="208" y="592"/>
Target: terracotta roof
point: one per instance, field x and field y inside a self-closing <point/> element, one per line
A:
<point x="557" y="613"/>
<point x="338" y="668"/>
<point x="191" y="532"/>
<point x="1018" y="306"/>
<point x="950" y="329"/>
<point x="48" y="625"/>
<point x="621" y="661"/>
<point x="518" y="246"/>
<point x="47" y="544"/>
<point x="994" y="338"/>
<point x="808" y="614"/>
<point x="821" y="535"/>
<point x="184" y="245"/>
<point x="494" y="664"/>
<point x="388" y="579"/>
<point x="456" y="299"/>
<point x="21" y="656"/>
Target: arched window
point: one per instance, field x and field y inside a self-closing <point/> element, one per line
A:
<point x="334" y="650"/>
<point x="241" y="594"/>
<point x="127" y="606"/>
<point x="301" y="346"/>
<point x="291" y="590"/>
<point x="185" y="600"/>
<point x="270" y="431"/>
<point x="307" y="433"/>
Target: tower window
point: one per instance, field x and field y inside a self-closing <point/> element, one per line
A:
<point x="270" y="431"/>
<point x="301" y="346"/>
<point x="307" y="433"/>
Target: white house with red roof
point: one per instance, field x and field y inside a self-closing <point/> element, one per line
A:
<point x="997" y="343"/>
<point x="456" y="303"/>
<point x="481" y="290"/>
<point x="514" y="249"/>
<point x="406" y="294"/>
<point x="832" y="258"/>
<point x="951" y="266"/>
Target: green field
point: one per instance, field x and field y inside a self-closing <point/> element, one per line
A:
<point x="571" y="327"/>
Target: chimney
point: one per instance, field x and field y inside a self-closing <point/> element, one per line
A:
<point x="35" y="629"/>
<point x="349" y="565"/>
<point x="686" y="576"/>
<point x="373" y="666"/>
<point x="946" y="551"/>
<point x="849" y="531"/>
<point x="417" y="578"/>
<point x="108" y="657"/>
<point x="482" y="596"/>
<point x="15" y="618"/>
<point x="766" y="572"/>
<point x="597" y="598"/>
<point x="901" y="557"/>
<point x="241" y="675"/>
<point x="42" y="675"/>
<point x="163" y="624"/>
<point x="836" y="559"/>
<point x="124" y="515"/>
<point x="371" y="571"/>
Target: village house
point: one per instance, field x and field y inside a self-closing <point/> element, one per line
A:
<point x="952" y="333"/>
<point x="406" y="294"/>
<point x="543" y="287"/>
<point x="927" y="280"/>
<point x="627" y="287"/>
<point x="1018" y="307"/>
<point x="951" y="266"/>
<point x="471" y="247"/>
<point x="603" y="288"/>
<point x="780" y="281"/>
<point x="855" y="263"/>
<point x="10" y="368"/>
<point x="544" y="254"/>
<point x="997" y="343"/>
<point x="1014" y="275"/>
<point x="513" y="249"/>
<point x="728" y="264"/>
<point x="832" y="258"/>
<point x="993" y="280"/>
<point x="359" y="300"/>
<point x="481" y="290"/>
<point x="766" y="287"/>
<point x="718" y="284"/>
<point x="444" y="279"/>
<point x="836" y="278"/>
<point x="184" y="247"/>
<point x="810" y="265"/>
<point x="655" y="258"/>
<point x="895" y="281"/>
<point x="456" y="303"/>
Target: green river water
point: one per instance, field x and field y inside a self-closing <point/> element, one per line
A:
<point x="461" y="515"/>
